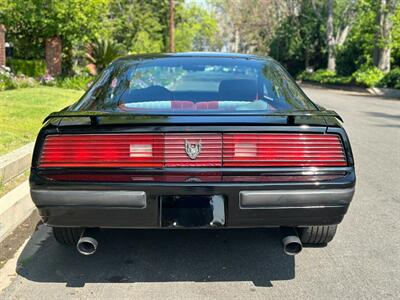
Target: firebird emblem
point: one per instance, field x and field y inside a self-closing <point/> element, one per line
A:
<point x="192" y="150"/>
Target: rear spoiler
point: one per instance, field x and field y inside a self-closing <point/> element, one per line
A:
<point x="94" y="115"/>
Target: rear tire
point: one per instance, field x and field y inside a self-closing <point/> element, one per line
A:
<point x="67" y="236"/>
<point x="317" y="235"/>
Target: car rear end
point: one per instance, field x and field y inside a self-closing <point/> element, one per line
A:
<point x="206" y="162"/>
<point x="286" y="177"/>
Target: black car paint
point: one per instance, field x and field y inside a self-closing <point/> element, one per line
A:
<point x="149" y="217"/>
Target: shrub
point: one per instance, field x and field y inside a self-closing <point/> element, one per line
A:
<point x="391" y="79"/>
<point x="75" y="82"/>
<point x="368" y="76"/>
<point x="48" y="80"/>
<point x="9" y="81"/>
<point x="317" y="76"/>
<point x="5" y="78"/>
<point x="30" y="68"/>
<point x="346" y="64"/>
<point x="24" y="82"/>
<point x="103" y="52"/>
<point x="325" y="77"/>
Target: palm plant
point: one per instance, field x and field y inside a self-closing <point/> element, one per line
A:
<point x="102" y="52"/>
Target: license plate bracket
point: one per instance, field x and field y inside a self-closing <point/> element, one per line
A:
<point x="192" y="211"/>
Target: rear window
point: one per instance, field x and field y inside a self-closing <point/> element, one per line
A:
<point x="194" y="84"/>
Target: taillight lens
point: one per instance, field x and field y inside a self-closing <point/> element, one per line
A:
<point x="193" y="150"/>
<point x="283" y="150"/>
<point x="103" y="150"/>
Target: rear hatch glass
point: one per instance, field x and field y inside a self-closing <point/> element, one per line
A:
<point x="194" y="84"/>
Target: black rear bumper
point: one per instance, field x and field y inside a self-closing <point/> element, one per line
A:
<point x="246" y="205"/>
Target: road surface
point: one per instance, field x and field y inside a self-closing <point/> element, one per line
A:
<point x="362" y="262"/>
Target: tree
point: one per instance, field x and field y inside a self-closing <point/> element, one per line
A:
<point x="383" y="35"/>
<point x="196" y="29"/>
<point x="340" y="17"/>
<point x="138" y="26"/>
<point x="299" y="41"/>
<point x="31" y="22"/>
<point x="143" y="26"/>
<point x="395" y="51"/>
<point x="249" y="25"/>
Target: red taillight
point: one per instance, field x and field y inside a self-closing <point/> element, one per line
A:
<point x="103" y="150"/>
<point x="193" y="150"/>
<point x="283" y="150"/>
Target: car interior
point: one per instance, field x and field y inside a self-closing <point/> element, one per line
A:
<point x="232" y="94"/>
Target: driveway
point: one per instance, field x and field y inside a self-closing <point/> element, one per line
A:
<point x="361" y="262"/>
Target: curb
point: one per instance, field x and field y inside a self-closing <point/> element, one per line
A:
<point x="15" y="163"/>
<point x="15" y="207"/>
<point x="384" y="92"/>
<point x="374" y="91"/>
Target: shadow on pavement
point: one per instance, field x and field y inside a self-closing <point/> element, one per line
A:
<point x="387" y="117"/>
<point x="160" y="256"/>
<point x="383" y="115"/>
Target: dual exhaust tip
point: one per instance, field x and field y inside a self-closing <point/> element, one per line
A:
<point x="87" y="243"/>
<point x="290" y="241"/>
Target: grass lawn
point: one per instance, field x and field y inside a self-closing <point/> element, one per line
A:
<point x="23" y="110"/>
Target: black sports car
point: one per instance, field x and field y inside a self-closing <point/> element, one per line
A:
<point x="193" y="140"/>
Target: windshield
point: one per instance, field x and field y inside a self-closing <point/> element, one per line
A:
<point x="194" y="84"/>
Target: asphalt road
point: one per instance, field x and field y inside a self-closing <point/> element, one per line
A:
<point x="363" y="261"/>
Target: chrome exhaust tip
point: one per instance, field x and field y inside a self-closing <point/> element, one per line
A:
<point x="291" y="242"/>
<point x="87" y="244"/>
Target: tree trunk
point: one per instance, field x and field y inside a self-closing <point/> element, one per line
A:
<point x="330" y="38"/>
<point x="2" y="45"/>
<point x="236" y="45"/>
<point x="53" y="55"/>
<point x="306" y="59"/>
<point x="383" y="37"/>
<point x="171" y="26"/>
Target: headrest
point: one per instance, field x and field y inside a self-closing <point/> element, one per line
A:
<point x="238" y="89"/>
<point x="152" y="93"/>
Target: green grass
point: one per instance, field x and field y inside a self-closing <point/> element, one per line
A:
<point x="23" y="110"/>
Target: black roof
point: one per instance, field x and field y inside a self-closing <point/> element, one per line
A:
<point x="192" y="54"/>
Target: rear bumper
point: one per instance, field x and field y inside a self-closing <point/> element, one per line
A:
<point x="295" y="198"/>
<point x="245" y="206"/>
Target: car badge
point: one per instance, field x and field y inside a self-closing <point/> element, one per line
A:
<point x="192" y="150"/>
<point x="193" y="179"/>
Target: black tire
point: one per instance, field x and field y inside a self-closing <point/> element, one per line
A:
<point x="67" y="236"/>
<point x="317" y="235"/>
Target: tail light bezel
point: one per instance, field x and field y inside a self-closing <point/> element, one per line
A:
<point x="224" y="164"/>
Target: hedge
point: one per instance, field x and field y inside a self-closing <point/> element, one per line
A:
<point x="391" y="79"/>
<point x="365" y="77"/>
<point x="31" y="68"/>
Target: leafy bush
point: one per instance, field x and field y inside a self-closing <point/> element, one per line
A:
<point x="325" y="77"/>
<point x="368" y="76"/>
<point x="349" y="59"/>
<point x="48" y="80"/>
<point x="5" y="78"/>
<point x="103" y="52"/>
<point x="391" y="79"/>
<point x="74" y="83"/>
<point x="365" y="76"/>
<point x="31" y="68"/>
<point x="318" y="76"/>
<point x="9" y="81"/>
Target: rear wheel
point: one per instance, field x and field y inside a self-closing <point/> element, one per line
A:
<point x="67" y="236"/>
<point x="317" y="235"/>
